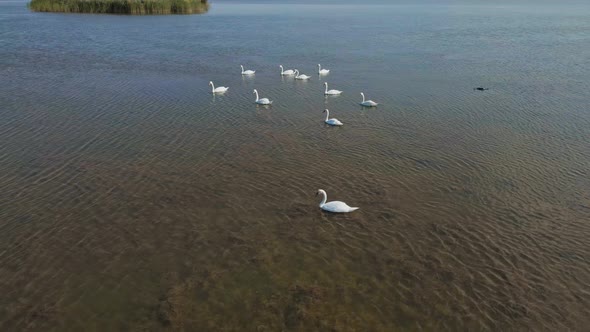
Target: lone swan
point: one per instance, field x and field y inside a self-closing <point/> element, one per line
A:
<point x="286" y="72"/>
<point x="261" y="101"/>
<point x="247" y="72"/>
<point x="368" y="103"/>
<point x="301" y="76"/>
<point x="335" y="206"/>
<point x="332" y="121"/>
<point x="322" y="71"/>
<point x="331" y="92"/>
<point x="219" y="89"/>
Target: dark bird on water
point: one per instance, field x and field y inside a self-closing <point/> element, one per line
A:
<point x="479" y="88"/>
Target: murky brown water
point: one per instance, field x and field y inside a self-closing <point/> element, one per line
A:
<point x="133" y="200"/>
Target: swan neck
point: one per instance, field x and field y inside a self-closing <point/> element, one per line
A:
<point x="326" y="84"/>
<point x="324" y="198"/>
<point x="212" y="87"/>
<point x="362" y="94"/>
<point x="327" y="114"/>
<point x="256" y="92"/>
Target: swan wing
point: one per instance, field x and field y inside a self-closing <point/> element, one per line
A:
<point x="264" y="101"/>
<point x="337" y="207"/>
<point x="369" y="103"/>
<point x="334" y="122"/>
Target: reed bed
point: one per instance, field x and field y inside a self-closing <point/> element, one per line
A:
<point x="130" y="7"/>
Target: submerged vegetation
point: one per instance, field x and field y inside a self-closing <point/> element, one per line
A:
<point x="132" y="7"/>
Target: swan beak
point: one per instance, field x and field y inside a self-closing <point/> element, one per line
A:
<point x="317" y="193"/>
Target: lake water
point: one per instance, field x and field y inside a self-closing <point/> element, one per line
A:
<point x="133" y="199"/>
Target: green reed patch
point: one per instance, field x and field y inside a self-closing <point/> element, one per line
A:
<point x="131" y="7"/>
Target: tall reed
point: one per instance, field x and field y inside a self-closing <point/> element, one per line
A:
<point x="131" y="7"/>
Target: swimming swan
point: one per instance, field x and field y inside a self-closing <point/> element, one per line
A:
<point x="335" y="206"/>
<point x="287" y="72"/>
<point x="302" y="76"/>
<point x="332" y="121"/>
<point x="247" y="72"/>
<point x="368" y="103"/>
<point x="331" y="92"/>
<point x="322" y="71"/>
<point x="261" y="101"/>
<point x="219" y="89"/>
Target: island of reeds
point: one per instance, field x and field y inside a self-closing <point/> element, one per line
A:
<point x="130" y="7"/>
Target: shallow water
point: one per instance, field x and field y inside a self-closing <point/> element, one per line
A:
<point x="134" y="199"/>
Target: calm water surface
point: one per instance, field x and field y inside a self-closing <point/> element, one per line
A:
<point x="132" y="199"/>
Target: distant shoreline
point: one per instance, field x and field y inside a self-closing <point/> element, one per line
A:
<point x="126" y="7"/>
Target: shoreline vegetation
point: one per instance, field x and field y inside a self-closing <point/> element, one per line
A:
<point x="128" y="7"/>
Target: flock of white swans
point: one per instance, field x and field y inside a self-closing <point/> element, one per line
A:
<point x="334" y="206"/>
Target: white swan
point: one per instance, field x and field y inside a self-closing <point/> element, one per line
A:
<point x="335" y="206"/>
<point x="331" y="92"/>
<point x="219" y="89"/>
<point x="287" y="72"/>
<point x="322" y="71"/>
<point x="247" y="72"/>
<point x="261" y="101"/>
<point x="332" y="121"/>
<point x="368" y="103"/>
<point x="302" y="76"/>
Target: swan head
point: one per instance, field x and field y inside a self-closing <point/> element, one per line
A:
<point x="254" y="91"/>
<point x="281" y="66"/>
<point x="320" y="191"/>
<point x="210" y="82"/>
<point x="325" y="83"/>
<point x="326" y="110"/>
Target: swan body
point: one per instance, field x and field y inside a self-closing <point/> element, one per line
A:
<point x="331" y="92"/>
<point x="261" y="101"/>
<point x="332" y="121"/>
<point x="368" y="103"/>
<point x="286" y="72"/>
<point x="247" y="72"/>
<point x="301" y="76"/>
<point x="334" y="206"/>
<point x="219" y="89"/>
<point x="322" y="71"/>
